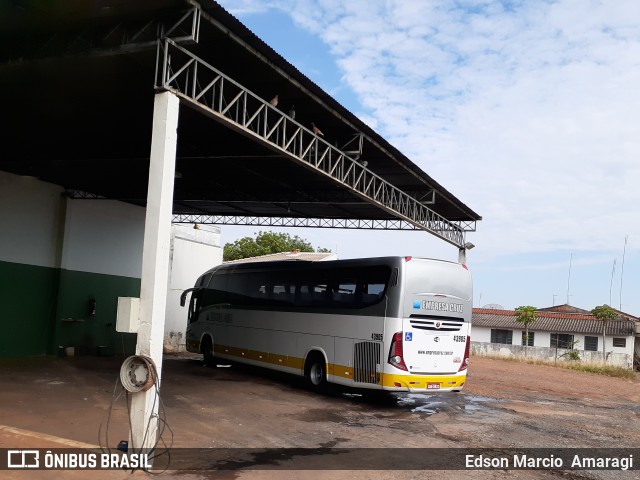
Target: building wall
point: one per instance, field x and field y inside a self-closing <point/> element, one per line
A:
<point x="32" y="219"/>
<point x="101" y="261"/>
<point x="193" y="252"/>
<point x="103" y="236"/>
<point x="481" y="337"/>
<point x="550" y="354"/>
<point x="58" y="256"/>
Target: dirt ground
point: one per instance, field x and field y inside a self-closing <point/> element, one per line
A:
<point x="63" y="402"/>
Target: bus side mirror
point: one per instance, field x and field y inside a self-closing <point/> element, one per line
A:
<point x="183" y="297"/>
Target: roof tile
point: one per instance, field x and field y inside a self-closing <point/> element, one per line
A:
<point x="552" y="322"/>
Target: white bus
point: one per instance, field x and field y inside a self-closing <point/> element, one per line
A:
<point x="393" y="323"/>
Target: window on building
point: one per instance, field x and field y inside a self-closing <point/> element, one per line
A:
<point x="591" y="343"/>
<point x="501" y="336"/>
<point x="620" y="342"/>
<point x="561" y="340"/>
<point x="528" y="341"/>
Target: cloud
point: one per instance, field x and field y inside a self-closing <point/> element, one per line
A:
<point x="527" y="111"/>
<point x="250" y="7"/>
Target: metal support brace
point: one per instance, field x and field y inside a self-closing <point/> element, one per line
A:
<point x="358" y="142"/>
<point x="218" y="96"/>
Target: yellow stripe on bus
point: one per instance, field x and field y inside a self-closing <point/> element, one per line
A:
<point x="387" y="379"/>
<point x="279" y="359"/>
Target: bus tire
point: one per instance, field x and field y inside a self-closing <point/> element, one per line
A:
<point x="207" y="351"/>
<point x="316" y="372"/>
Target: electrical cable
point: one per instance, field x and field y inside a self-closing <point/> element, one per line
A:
<point x="129" y="383"/>
<point x="114" y="399"/>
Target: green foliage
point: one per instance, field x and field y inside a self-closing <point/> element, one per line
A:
<point x="526" y="315"/>
<point x="572" y="354"/>
<point x="264" y="244"/>
<point x="604" y="313"/>
<point x="608" y="370"/>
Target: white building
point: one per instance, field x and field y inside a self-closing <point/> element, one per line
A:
<point x="553" y="335"/>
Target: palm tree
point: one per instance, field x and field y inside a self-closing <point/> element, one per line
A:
<point x="604" y="313"/>
<point x="526" y="315"/>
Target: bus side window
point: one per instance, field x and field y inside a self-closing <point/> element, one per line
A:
<point x="304" y="295"/>
<point x="282" y="293"/>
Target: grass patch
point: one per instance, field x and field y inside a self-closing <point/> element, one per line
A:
<point x="608" y="370"/>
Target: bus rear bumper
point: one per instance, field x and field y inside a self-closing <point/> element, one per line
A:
<point x="419" y="383"/>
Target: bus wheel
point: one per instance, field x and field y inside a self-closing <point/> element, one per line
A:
<point x="316" y="372"/>
<point x="207" y="351"/>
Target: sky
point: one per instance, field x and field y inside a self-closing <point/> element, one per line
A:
<point x="527" y="111"/>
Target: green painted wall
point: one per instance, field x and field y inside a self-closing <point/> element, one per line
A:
<point x="27" y="305"/>
<point x="73" y="324"/>
<point x="44" y="308"/>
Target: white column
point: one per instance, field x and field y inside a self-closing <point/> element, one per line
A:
<point x="155" y="262"/>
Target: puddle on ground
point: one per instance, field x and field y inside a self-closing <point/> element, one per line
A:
<point x="428" y="404"/>
<point x="425" y="403"/>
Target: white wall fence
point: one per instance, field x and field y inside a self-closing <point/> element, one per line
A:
<point x="193" y="252"/>
<point x="550" y="354"/>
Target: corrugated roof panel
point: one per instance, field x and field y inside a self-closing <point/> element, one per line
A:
<point x="552" y="322"/>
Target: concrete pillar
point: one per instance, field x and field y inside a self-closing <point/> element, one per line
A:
<point x="155" y="262"/>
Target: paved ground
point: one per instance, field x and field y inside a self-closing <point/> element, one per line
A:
<point x="63" y="402"/>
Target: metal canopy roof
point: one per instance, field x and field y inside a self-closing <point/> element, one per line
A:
<point x="77" y="85"/>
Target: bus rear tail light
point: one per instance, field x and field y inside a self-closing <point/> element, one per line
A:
<point x="465" y="360"/>
<point x="396" y="357"/>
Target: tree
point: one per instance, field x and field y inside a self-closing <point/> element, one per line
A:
<point x="604" y="313"/>
<point x="264" y="244"/>
<point x="526" y="315"/>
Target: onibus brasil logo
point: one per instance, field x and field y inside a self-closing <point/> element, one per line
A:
<point x="58" y="460"/>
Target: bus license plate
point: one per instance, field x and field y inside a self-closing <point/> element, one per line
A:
<point x="433" y="386"/>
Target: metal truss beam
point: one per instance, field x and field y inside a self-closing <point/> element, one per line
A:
<point x="333" y="197"/>
<point x="366" y="224"/>
<point x="210" y="91"/>
<point x="120" y="37"/>
<point x="344" y="223"/>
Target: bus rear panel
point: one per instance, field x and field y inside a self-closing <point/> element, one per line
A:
<point x="430" y="339"/>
